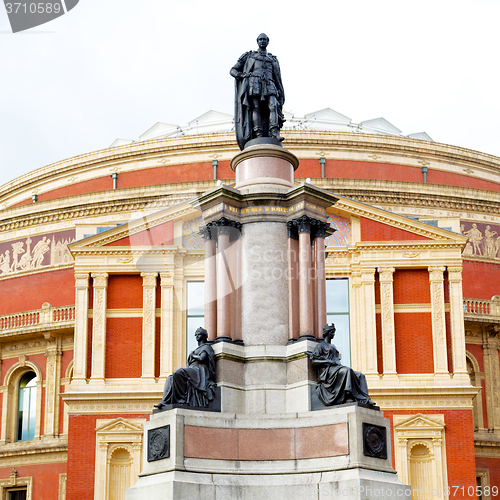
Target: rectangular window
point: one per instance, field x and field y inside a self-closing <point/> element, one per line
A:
<point x="18" y="494"/>
<point x="195" y="312"/>
<point x="337" y="311"/>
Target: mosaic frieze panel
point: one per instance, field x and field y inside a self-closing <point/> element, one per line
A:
<point x="484" y="240"/>
<point x="35" y="252"/>
<point x="190" y="237"/>
<point x="343" y="234"/>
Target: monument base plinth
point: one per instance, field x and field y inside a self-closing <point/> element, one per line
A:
<point x="351" y="484"/>
<point x="314" y="455"/>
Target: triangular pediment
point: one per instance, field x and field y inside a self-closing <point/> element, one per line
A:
<point x="419" y="421"/>
<point x="423" y="136"/>
<point x="154" y="230"/>
<point x="159" y="130"/>
<point x="388" y="226"/>
<point x="119" y="425"/>
<point x="379" y="126"/>
<point x="328" y="115"/>
<point x="211" y="117"/>
<point x="121" y="142"/>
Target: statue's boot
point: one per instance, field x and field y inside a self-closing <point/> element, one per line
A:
<point x="274" y="132"/>
<point x="257" y="131"/>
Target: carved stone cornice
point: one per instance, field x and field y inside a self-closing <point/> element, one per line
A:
<point x="93" y="209"/>
<point x="386" y="219"/>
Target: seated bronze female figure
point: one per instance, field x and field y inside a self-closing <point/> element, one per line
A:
<point x="195" y="384"/>
<point x="337" y="384"/>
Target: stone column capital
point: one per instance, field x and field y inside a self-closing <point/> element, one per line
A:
<point x="386" y="274"/>
<point x="227" y="226"/>
<point x="207" y="233"/>
<point x="304" y="224"/>
<point x="319" y="229"/>
<point x="52" y="352"/>
<point x="436" y="273"/>
<point x="368" y="275"/>
<point x="292" y="230"/>
<point x="82" y="281"/>
<point x="454" y="274"/>
<point x="166" y="279"/>
<point x="100" y="280"/>
<point x="149" y="279"/>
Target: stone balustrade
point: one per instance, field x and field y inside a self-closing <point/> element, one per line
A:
<point x="482" y="309"/>
<point x="45" y="316"/>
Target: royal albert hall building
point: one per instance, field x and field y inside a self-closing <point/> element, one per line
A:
<point x="101" y="289"/>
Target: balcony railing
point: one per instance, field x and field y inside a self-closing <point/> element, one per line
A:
<point x="45" y="316"/>
<point x="482" y="309"/>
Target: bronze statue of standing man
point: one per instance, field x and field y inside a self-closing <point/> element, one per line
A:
<point x="259" y="95"/>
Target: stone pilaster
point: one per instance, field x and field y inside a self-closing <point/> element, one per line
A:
<point x="386" y="278"/>
<point x="167" y="324"/>
<point x="368" y="287"/>
<point x="358" y="342"/>
<point x="148" y="324"/>
<point x="53" y="353"/>
<point x="99" y="325"/>
<point x="81" y="325"/>
<point x="438" y="320"/>
<point x="491" y="346"/>
<point x="179" y="345"/>
<point x="320" y="283"/>
<point x="209" y="235"/>
<point x="457" y="320"/>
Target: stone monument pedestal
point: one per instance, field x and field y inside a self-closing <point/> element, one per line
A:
<point x="265" y="289"/>
<point x="335" y="453"/>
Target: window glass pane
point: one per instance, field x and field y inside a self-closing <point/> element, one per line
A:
<point x="337" y="295"/>
<point x="342" y="336"/>
<point x="17" y="495"/>
<point x="195" y="298"/>
<point x="26" y="407"/>
<point x="192" y="325"/>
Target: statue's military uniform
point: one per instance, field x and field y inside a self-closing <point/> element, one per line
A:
<point x="259" y="96"/>
<point x="261" y="82"/>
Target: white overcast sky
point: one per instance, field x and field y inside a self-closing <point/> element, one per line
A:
<point x="113" y="68"/>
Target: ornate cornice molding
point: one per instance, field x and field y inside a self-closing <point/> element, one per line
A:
<point x="408" y="401"/>
<point x="391" y="220"/>
<point x="158" y="149"/>
<point x="93" y="209"/>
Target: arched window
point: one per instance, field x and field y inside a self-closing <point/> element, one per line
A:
<point x="26" y="408"/>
